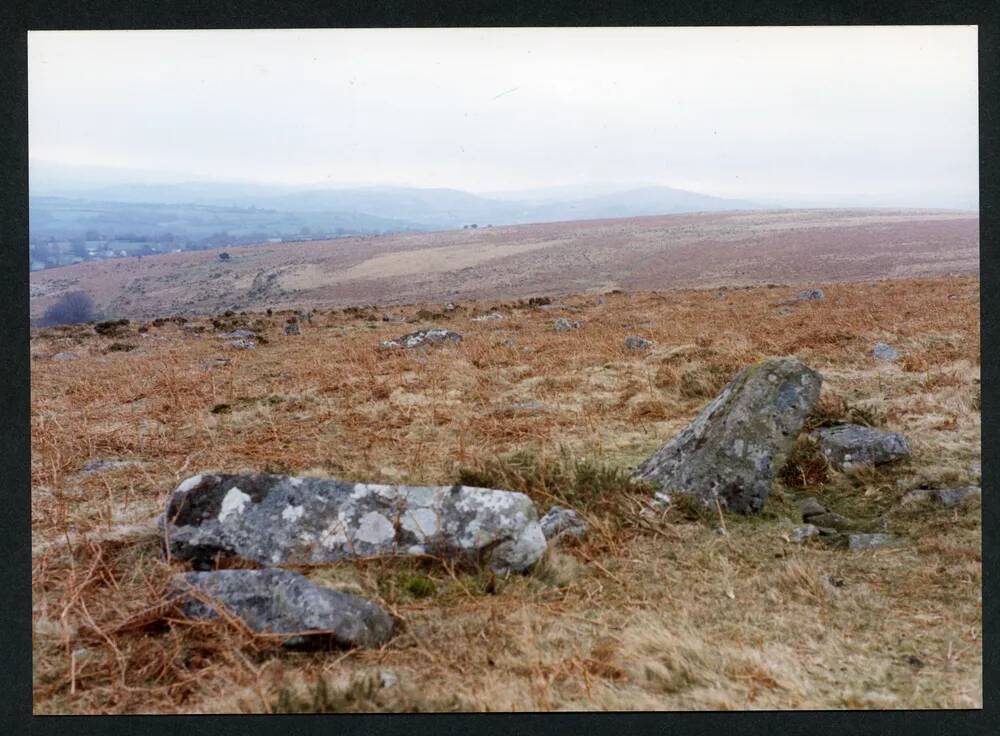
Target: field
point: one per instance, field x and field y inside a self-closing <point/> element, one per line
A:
<point x="648" y="612"/>
<point x="593" y="256"/>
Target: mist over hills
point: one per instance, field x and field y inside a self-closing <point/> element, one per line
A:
<point x="90" y="213"/>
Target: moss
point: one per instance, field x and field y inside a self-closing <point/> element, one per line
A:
<point x="418" y="586"/>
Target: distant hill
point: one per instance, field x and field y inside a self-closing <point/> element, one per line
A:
<point x="504" y="262"/>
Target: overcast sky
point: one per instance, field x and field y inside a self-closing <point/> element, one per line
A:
<point x="747" y="112"/>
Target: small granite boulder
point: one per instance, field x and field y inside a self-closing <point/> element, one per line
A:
<point x="634" y="342"/>
<point x="242" y="344"/>
<point x="810" y="295"/>
<point x="732" y="449"/>
<point x="886" y="353"/>
<point x="848" y="446"/>
<point x="239" y="334"/>
<point x="561" y="522"/>
<point x="277" y="520"/>
<point x="946" y="497"/>
<point x="800" y="534"/>
<point x="433" y="336"/>
<point x="283" y="602"/>
<point x="491" y="317"/>
<point x="859" y="542"/>
<point x="562" y="324"/>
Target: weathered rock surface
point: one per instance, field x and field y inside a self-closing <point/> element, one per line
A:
<point x="433" y="336"/>
<point x="242" y="344"/>
<point x="562" y="324"/>
<point x="858" y="542"/>
<point x="283" y="602"/>
<point x="277" y="519"/>
<point x="848" y="446"/>
<point x="800" y="534"/>
<point x="811" y="507"/>
<point x="634" y="342"/>
<point x="561" y="522"/>
<point x="943" y="496"/>
<point x="882" y="351"/>
<point x="65" y="356"/>
<point x="810" y="295"/>
<point x="733" y="448"/>
<point x="239" y="334"/>
<point x="491" y="317"/>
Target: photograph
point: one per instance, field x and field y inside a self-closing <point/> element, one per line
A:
<point x="504" y="369"/>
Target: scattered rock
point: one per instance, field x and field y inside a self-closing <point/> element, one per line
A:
<point x="216" y="362"/>
<point x="292" y="328"/>
<point x="785" y="311"/>
<point x="242" y="344"/>
<point x="833" y="520"/>
<point x="800" y="534"/>
<point x="277" y="519"/>
<point x="848" y="446"/>
<point x="733" y="448"/>
<point x="562" y="324"/>
<point x="433" y="336"/>
<point x="858" y="542"/>
<point x="237" y="335"/>
<point x="450" y="307"/>
<point x="634" y="342"/>
<point x="560" y="522"/>
<point x="282" y="601"/>
<point x="810" y="295"/>
<point x="811" y="507"/>
<point x="65" y="356"/>
<point x="946" y="497"/>
<point x="884" y="352"/>
<point x="548" y="307"/>
<point x="491" y="317"/>
<point x="305" y="315"/>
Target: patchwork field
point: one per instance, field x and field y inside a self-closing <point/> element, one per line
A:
<point x="649" y="611"/>
<point x="643" y="253"/>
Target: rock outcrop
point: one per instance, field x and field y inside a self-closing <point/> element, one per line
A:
<point x="283" y="602"/>
<point x="277" y="519"/>
<point x="849" y="446"/>
<point x="732" y="449"/>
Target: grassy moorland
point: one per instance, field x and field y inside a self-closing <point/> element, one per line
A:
<point x="648" y="612"/>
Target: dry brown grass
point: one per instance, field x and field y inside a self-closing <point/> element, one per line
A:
<point x="649" y="613"/>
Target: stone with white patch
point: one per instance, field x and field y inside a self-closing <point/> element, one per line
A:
<point x="275" y="519"/>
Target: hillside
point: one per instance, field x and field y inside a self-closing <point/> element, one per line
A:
<point x="662" y="611"/>
<point x="703" y="250"/>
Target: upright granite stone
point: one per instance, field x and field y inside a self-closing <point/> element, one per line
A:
<point x="283" y="602"/>
<point x="849" y="446"/>
<point x="733" y="448"/>
<point x="277" y="519"/>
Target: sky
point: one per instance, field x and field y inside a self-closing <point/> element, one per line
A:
<point x="814" y="113"/>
